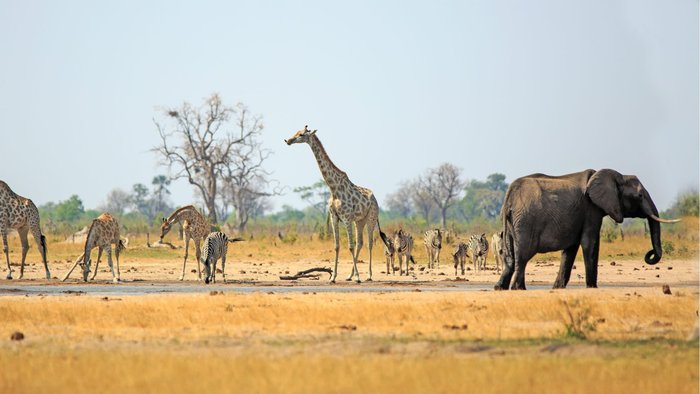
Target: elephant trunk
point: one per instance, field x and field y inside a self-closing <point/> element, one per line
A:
<point x="653" y="256"/>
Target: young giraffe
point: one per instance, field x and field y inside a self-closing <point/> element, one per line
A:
<point x="103" y="232"/>
<point x="19" y="213"/>
<point x="349" y="203"/>
<point x="196" y="228"/>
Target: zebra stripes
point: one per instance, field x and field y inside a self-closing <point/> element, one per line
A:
<point x="215" y="248"/>
<point x="460" y="255"/>
<point x="433" y="243"/>
<point x="479" y="250"/>
<point x="403" y="247"/>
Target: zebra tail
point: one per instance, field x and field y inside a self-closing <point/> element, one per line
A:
<point x="236" y="240"/>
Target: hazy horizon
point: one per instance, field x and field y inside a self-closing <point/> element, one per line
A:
<point x="393" y="89"/>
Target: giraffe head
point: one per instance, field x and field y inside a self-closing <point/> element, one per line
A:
<point x="301" y="136"/>
<point x="86" y="268"/>
<point x="164" y="228"/>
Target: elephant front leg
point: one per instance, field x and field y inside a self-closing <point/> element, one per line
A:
<point x="508" y="270"/>
<point x="590" y="246"/>
<point x="567" y="263"/>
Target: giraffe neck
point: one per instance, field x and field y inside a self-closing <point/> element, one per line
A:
<point x="182" y="215"/>
<point x="333" y="175"/>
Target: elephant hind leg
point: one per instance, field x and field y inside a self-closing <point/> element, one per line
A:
<point x="568" y="256"/>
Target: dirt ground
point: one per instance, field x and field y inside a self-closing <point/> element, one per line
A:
<point x="428" y="331"/>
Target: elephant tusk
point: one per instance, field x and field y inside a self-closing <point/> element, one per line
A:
<point x="658" y="219"/>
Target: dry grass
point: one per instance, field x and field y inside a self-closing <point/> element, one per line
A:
<point x="332" y="342"/>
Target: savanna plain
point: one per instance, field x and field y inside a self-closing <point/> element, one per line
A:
<point x="429" y="331"/>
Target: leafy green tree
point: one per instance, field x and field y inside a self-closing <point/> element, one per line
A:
<point x="69" y="210"/>
<point x="686" y="204"/>
<point x="140" y="201"/>
<point x="316" y="195"/>
<point x="484" y="199"/>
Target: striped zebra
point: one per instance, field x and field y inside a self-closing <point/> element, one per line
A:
<point x="403" y="246"/>
<point x="497" y="246"/>
<point x="215" y="248"/>
<point x="433" y="243"/>
<point x="460" y="256"/>
<point x="479" y="248"/>
<point x="389" y="253"/>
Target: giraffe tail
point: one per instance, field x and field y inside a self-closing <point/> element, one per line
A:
<point x="382" y="235"/>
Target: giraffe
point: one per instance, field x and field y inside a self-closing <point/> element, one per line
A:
<point x="103" y="232"/>
<point x="196" y="228"/>
<point x="349" y="204"/>
<point x="19" y="213"/>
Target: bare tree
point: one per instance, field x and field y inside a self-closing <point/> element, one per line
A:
<point x="198" y="147"/>
<point x="316" y="195"/>
<point x="399" y="201"/>
<point x="117" y="202"/>
<point x="443" y="185"/>
<point x="245" y="181"/>
<point x="421" y="199"/>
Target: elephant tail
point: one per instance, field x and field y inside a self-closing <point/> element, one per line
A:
<point x="508" y="242"/>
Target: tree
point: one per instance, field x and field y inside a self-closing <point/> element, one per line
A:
<point x="245" y="181"/>
<point x="202" y="147"/>
<point x="139" y="200"/>
<point x="686" y="204"/>
<point x="443" y="186"/>
<point x="160" y="192"/>
<point x="316" y="195"/>
<point x="421" y="199"/>
<point x="399" y="202"/>
<point x="117" y="202"/>
<point x="484" y="199"/>
<point x="69" y="210"/>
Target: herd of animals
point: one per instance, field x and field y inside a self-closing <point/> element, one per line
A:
<point x="540" y="213"/>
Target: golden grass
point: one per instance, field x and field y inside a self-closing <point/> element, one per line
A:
<point x="333" y="342"/>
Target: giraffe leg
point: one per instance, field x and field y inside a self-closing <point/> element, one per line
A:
<point x="351" y="245"/>
<point x="187" y="250"/>
<point x="198" y="254"/>
<point x="359" y="230"/>
<point x="370" y="244"/>
<point x="40" y="240"/>
<point x="336" y="238"/>
<point x="116" y="257"/>
<point x="108" y="250"/>
<point x="97" y="264"/>
<point x="6" y="249"/>
<point x="25" y="247"/>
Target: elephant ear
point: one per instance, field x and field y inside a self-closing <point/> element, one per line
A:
<point x="603" y="190"/>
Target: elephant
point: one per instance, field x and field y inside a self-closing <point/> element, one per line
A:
<point x="543" y="213"/>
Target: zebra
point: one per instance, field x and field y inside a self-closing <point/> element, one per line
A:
<point x="460" y="255"/>
<point x="479" y="248"/>
<point x="215" y="248"/>
<point x="497" y="246"/>
<point x="403" y="247"/>
<point x="433" y="243"/>
<point x="389" y="253"/>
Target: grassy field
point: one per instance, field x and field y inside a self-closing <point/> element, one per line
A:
<point x="608" y="340"/>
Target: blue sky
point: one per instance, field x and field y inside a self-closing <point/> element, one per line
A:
<point x="393" y="88"/>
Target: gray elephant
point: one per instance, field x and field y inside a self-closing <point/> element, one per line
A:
<point x="543" y="213"/>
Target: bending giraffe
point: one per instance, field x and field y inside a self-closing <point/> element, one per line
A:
<point x="19" y="213"/>
<point x="196" y="228"/>
<point x="349" y="204"/>
<point x="103" y="232"/>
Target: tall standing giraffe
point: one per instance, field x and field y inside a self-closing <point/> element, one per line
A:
<point x="349" y="203"/>
<point x="196" y="228"/>
<point x="19" y="213"/>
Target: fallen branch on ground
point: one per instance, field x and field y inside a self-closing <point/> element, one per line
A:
<point x="307" y="273"/>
